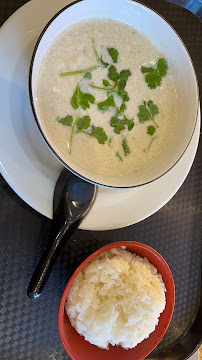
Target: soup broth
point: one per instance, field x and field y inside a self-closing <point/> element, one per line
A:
<point x="115" y="115"/>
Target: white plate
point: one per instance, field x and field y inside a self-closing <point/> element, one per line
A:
<point x="27" y="164"/>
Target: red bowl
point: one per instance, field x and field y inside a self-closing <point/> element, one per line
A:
<point x="80" y="349"/>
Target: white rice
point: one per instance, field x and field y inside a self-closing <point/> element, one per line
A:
<point x="116" y="299"/>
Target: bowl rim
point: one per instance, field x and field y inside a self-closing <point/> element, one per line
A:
<point x="136" y="245"/>
<point x="50" y="146"/>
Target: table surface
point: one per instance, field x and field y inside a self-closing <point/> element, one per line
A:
<point x="29" y="328"/>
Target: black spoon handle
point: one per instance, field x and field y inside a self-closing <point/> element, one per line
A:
<point x="48" y="258"/>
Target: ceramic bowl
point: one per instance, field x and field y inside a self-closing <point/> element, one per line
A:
<point x="161" y="33"/>
<point x="79" y="349"/>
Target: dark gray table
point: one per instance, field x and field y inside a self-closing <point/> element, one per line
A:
<point x="29" y="328"/>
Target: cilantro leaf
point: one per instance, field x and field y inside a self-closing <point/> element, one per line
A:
<point x="154" y="76"/>
<point x="113" y="53"/>
<point x="118" y="156"/>
<point x="120" y="124"/>
<point x="67" y="120"/>
<point x="126" y="149"/>
<point x="151" y="130"/>
<point x="130" y="126"/>
<point x="119" y="83"/>
<point x="153" y="79"/>
<point x="117" y="124"/>
<point x="123" y="77"/>
<point x="123" y="94"/>
<point x="144" y="113"/>
<point x="105" y="105"/>
<point x="113" y="74"/>
<point x="162" y="66"/>
<point x="153" y="109"/>
<point x="99" y="59"/>
<point x="105" y="82"/>
<point x="88" y="75"/>
<point x="122" y="107"/>
<point x="81" y="99"/>
<point x="98" y="133"/>
<point x="83" y="122"/>
<point x="147" y="111"/>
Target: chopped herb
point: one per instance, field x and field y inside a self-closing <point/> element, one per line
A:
<point x="126" y="149"/>
<point x="119" y="83"/>
<point x="123" y="94"/>
<point x="120" y="124"/>
<point x="67" y="120"/>
<point x="105" y="82"/>
<point x="113" y="74"/>
<point x="123" y="107"/>
<point x="99" y="59"/>
<point x="162" y="66"/>
<point x="105" y="105"/>
<point x="83" y="122"/>
<point x="154" y="76"/>
<point x="151" y="143"/>
<point x="113" y="90"/>
<point x="130" y="125"/>
<point x="117" y="124"/>
<point x="88" y="75"/>
<point x="151" y="130"/>
<point x="98" y="133"/>
<point x="81" y="99"/>
<point x="123" y="77"/>
<point x="78" y="71"/>
<point x="118" y="156"/>
<point x="113" y="53"/>
<point x="147" y="111"/>
<point x="109" y="142"/>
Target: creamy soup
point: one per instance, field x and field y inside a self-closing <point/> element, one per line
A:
<point x="107" y="97"/>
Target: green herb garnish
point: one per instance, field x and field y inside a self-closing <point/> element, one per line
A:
<point x="98" y="133"/>
<point x="151" y="130"/>
<point x="151" y="143"/>
<point x="99" y="59"/>
<point x="118" y="156"/>
<point x="105" y="82"/>
<point x="154" y="76"/>
<point x="123" y="77"/>
<point x="105" y="105"/>
<point x="78" y="71"/>
<point x="113" y="74"/>
<point x="82" y="124"/>
<point x="88" y="75"/>
<point x="126" y="149"/>
<point x="81" y="99"/>
<point x="113" y="53"/>
<point x="119" y="85"/>
<point x="120" y="124"/>
<point x="122" y="107"/>
<point x="67" y="120"/>
<point x="147" y="111"/>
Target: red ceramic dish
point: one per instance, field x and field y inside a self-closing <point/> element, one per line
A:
<point x="79" y="349"/>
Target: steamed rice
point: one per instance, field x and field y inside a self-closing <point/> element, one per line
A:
<point x="116" y="299"/>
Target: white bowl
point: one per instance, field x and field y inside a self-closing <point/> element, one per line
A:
<point x="160" y="32"/>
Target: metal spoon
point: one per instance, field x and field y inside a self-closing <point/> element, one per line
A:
<point x="73" y="198"/>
